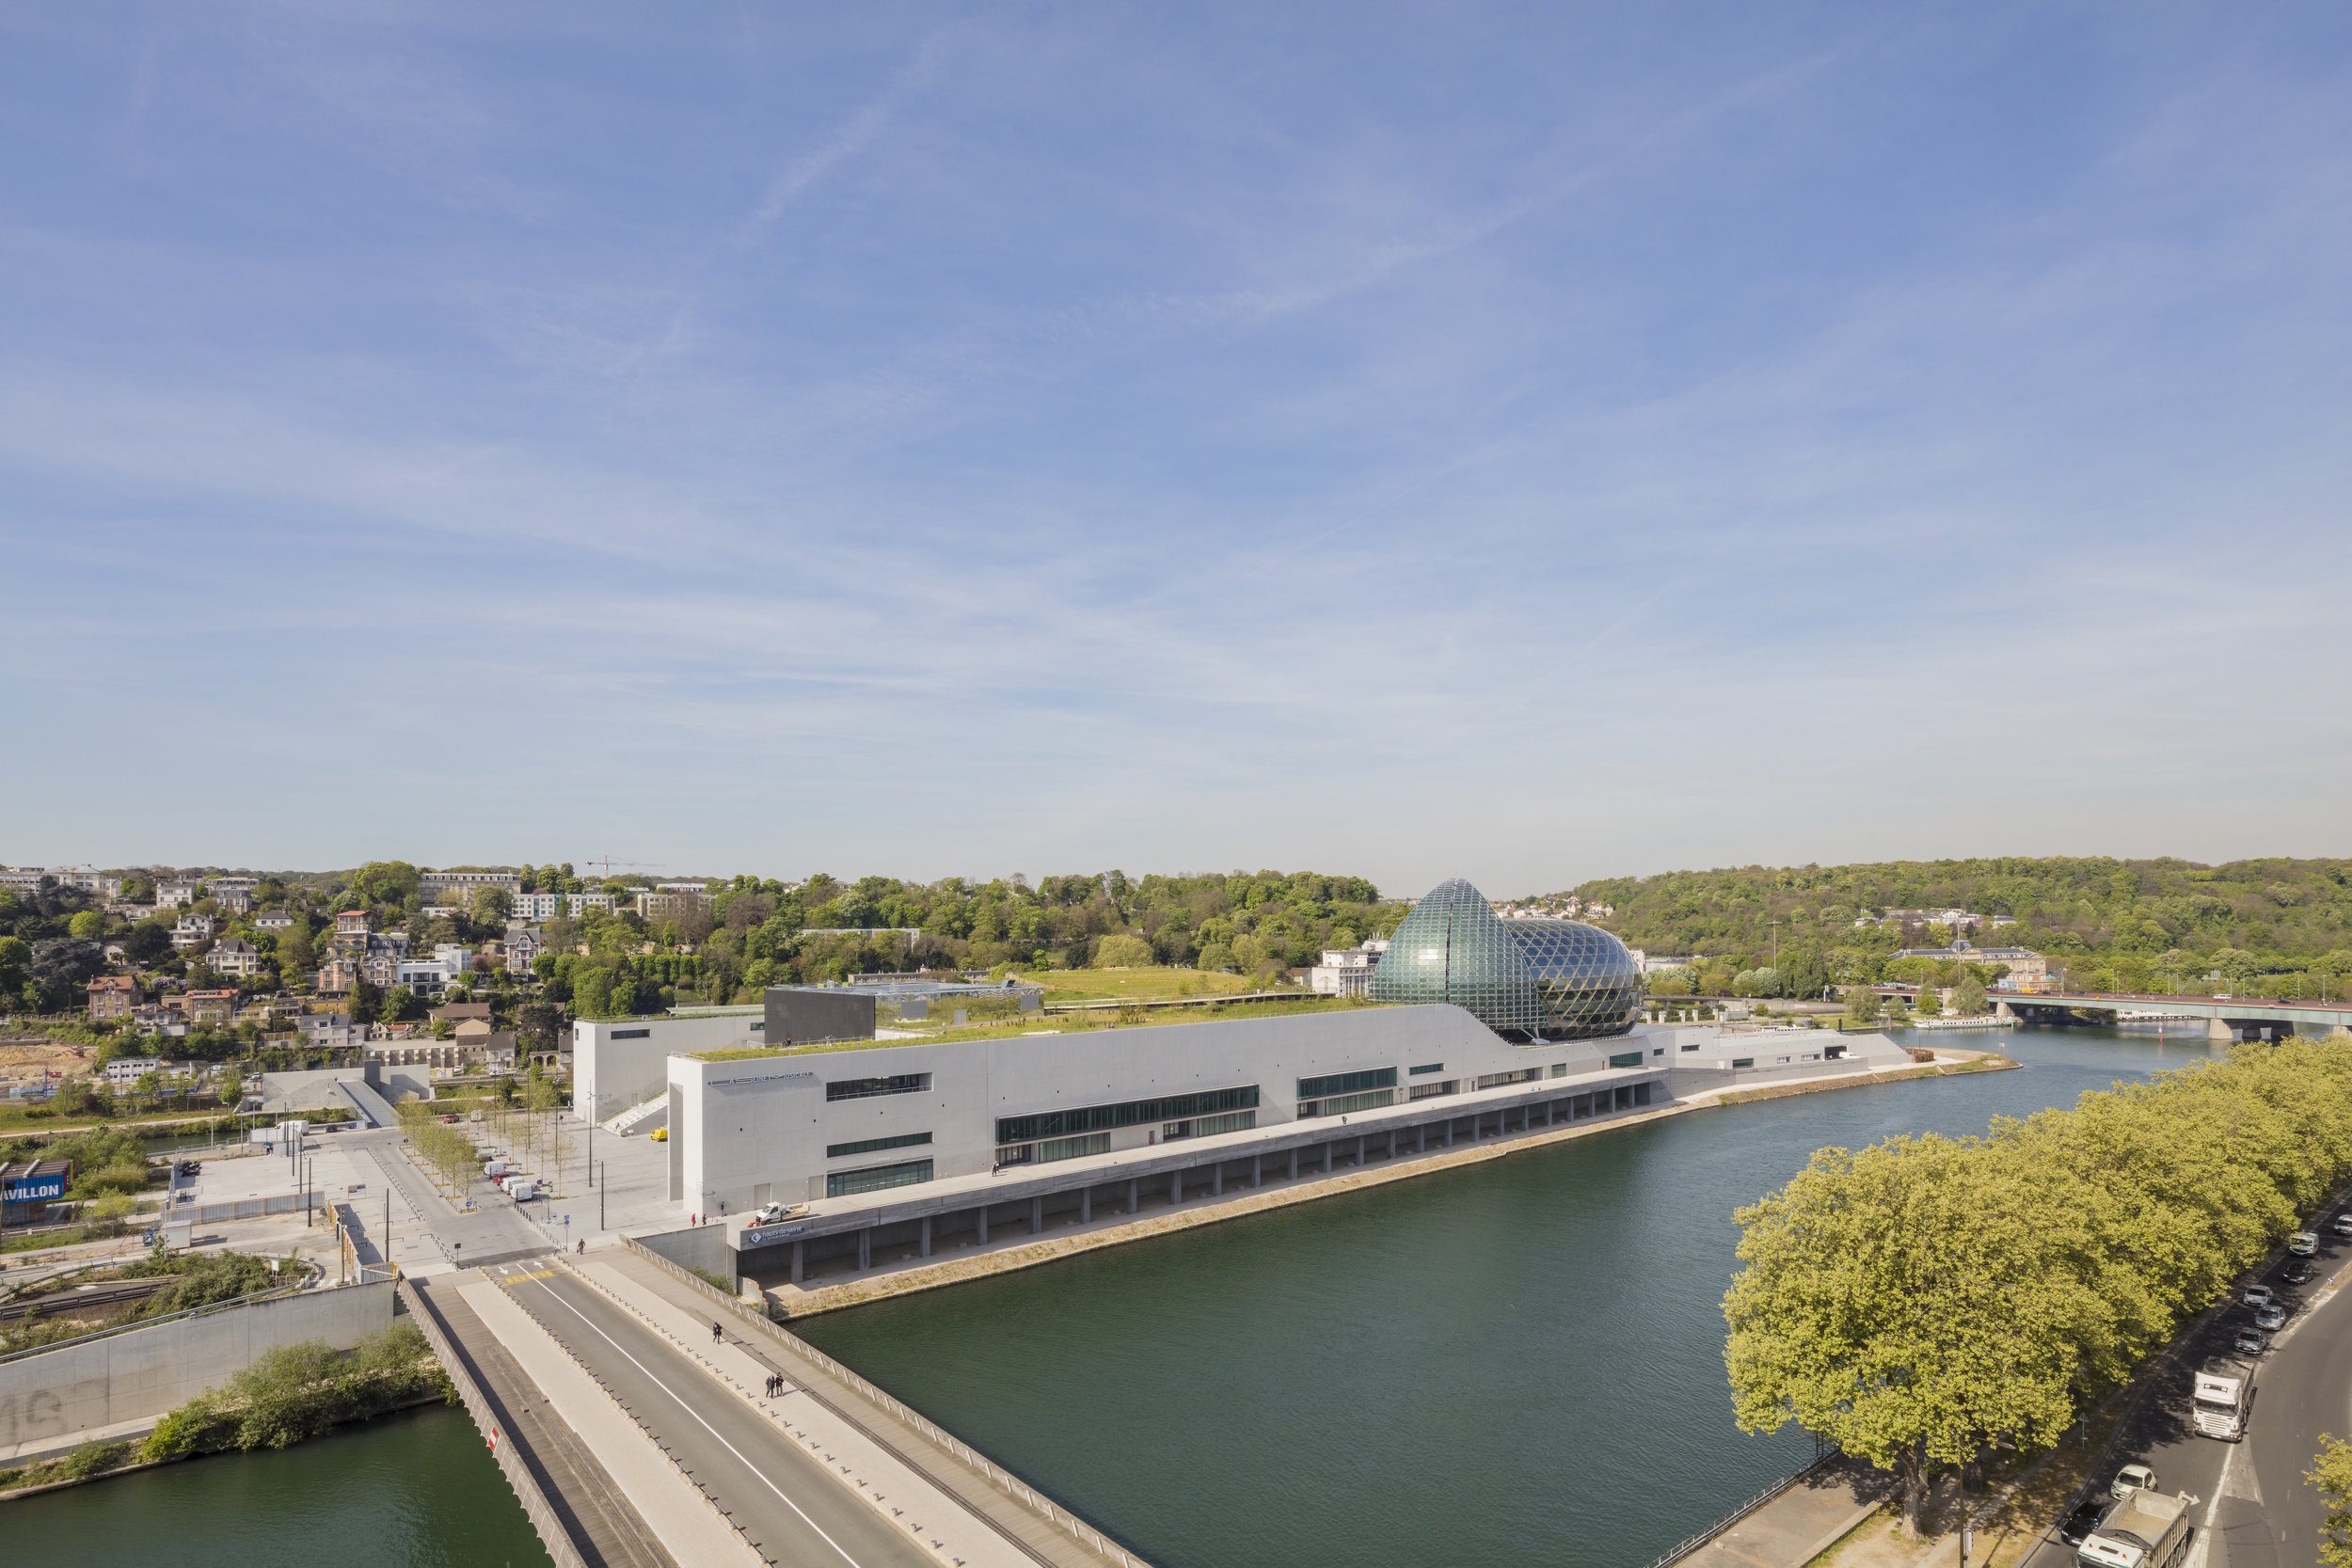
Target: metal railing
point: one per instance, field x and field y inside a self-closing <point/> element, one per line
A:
<point x="1690" y="1544"/>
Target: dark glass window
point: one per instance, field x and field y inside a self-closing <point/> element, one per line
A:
<point x="873" y="1178"/>
<point x="871" y="1146"/>
<point x="1627" y="1058"/>
<point x="1426" y="1066"/>
<point x="863" y="1089"/>
<point x="1129" y="1113"/>
<point x="1347" y="1083"/>
<point x="631" y="1034"/>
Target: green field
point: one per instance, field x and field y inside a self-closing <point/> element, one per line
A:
<point x="1135" y="985"/>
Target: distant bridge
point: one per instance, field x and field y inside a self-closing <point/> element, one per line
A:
<point x="2226" y="1018"/>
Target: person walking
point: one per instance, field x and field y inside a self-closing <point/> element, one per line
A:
<point x="718" y="1335"/>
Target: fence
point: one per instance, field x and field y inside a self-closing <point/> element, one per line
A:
<point x="1688" y="1544"/>
<point x="997" y="1474"/>
<point x="536" y="1507"/>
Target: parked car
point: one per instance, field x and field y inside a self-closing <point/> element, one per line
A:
<point x="2344" y="1223"/>
<point x="2273" y="1316"/>
<point x="2130" y="1478"/>
<point x="770" y="1213"/>
<point x="2297" y="1273"/>
<point x="189" y="1168"/>
<point x="2082" y="1521"/>
<point x="2303" y="1243"/>
<point x="2251" y="1341"/>
<point x="2258" y="1295"/>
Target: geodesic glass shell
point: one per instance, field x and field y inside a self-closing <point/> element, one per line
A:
<point x="1588" y="979"/>
<point x="1452" y="948"/>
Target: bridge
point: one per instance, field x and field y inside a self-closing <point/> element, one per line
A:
<point x="2226" y="1018"/>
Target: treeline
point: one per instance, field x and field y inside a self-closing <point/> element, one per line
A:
<point x="1924" y="1299"/>
<point x="2265" y="925"/>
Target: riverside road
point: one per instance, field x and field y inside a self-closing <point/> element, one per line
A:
<point x="2253" y="1509"/>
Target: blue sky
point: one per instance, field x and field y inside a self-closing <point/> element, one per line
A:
<point x="1528" y="442"/>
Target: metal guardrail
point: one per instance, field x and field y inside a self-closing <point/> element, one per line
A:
<point x="1690" y="1544"/>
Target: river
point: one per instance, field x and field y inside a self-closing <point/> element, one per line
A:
<point x="1517" y="1360"/>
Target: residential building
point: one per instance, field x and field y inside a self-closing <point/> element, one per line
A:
<point x="21" y="879"/>
<point x="273" y="920"/>
<point x="523" y="944"/>
<point x="425" y="976"/>
<point x="535" y="906"/>
<point x="2025" y="966"/>
<point x="174" y="896"/>
<point x="238" y="959"/>
<point x="458" y="1013"/>
<point x="209" y="1007"/>
<point x="458" y="957"/>
<point x="191" y="930"/>
<point x="351" y="926"/>
<point x="576" y="903"/>
<point x="234" y="900"/>
<point x="113" y="996"/>
<point x="338" y="976"/>
<point x="440" y="912"/>
<point x="673" y="902"/>
<point x="434" y="884"/>
<point x="1659" y="963"/>
<point x="1346" y="971"/>
<point x="86" y="879"/>
<point x="165" y="1018"/>
<point x="330" y="1030"/>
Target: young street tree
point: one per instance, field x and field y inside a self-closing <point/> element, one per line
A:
<point x="2330" y="1476"/>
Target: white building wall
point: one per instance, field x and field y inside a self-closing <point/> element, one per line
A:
<point x="737" y="1127"/>
<point x="619" y="1062"/>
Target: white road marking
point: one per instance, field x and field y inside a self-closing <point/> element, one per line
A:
<point x="704" y="1425"/>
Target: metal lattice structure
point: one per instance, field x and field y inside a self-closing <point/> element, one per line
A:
<point x="1454" y="948"/>
<point x="1590" y="983"/>
<point x="1553" y="979"/>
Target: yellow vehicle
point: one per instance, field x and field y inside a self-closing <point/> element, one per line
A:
<point x="661" y="1134"/>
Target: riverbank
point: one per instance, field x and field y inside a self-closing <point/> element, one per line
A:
<point x="794" y="1302"/>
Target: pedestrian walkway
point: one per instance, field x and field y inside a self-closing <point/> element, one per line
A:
<point x="1792" y="1529"/>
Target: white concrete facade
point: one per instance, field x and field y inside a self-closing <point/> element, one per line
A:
<point x="752" y="1130"/>
<point x="621" y="1062"/>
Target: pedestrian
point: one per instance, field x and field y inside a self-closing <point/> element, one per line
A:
<point x="717" y="1334"/>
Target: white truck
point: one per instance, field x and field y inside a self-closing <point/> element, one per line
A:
<point x="2147" y="1530"/>
<point x="2225" y="1387"/>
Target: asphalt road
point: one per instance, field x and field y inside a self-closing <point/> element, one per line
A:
<point x="2253" y="1509"/>
<point x="790" y="1508"/>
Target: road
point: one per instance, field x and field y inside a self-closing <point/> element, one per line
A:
<point x="2253" y="1509"/>
<point x="793" y="1510"/>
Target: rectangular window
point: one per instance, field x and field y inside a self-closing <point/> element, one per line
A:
<point x="1738" y="1062"/>
<point x="1071" y="1149"/>
<point x="631" y="1034"/>
<point x="875" y="1145"/>
<point x="1692" y="1046"/>
<point x="866" y="1088"/>
<point x="1559" y="1070"/>
<point x="1431" y="1092"/>
<point x="1347" y="1083"/>
<point x="1660" y="1052"/>
<point x="1130" y="1113"/>
<point x="1496" y="1080"/>
<point x="873" y="1178"/>
<point x="1626" y="1058"/>
<point x="1340" y="1104"/>
<point x="1426" y="1066"/>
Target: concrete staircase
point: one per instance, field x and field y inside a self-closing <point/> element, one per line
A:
<point x="641" y="1119"/>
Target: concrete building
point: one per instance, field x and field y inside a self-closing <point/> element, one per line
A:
<point x="191" y="930"/>
<point x="123" y="1071"/>
<point x="575" y="904"/>
<point x="1346" y="971"/>
<point x="673" y="901"/>
<point x="237" y="959"/>
<point x="436" y="885"/>
<point x="535" y="906"/>
<point x="174" y="896"/>
<point x="621" y="1063"/>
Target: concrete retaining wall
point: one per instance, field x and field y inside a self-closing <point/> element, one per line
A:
<point x="142" y="1373"/>
<point x="701" y="1246"/>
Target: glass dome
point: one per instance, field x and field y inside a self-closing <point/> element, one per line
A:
<point x="1452" y="948"/>
<point x="1589" y="982"/>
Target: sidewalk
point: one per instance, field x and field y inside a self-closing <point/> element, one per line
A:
<point x="1800" y="1524"/>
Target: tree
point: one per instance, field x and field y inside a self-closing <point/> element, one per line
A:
<point x="1927" y="1003"/>
<point x="1863" y="1003"/>
<point x="2330" y="1476"/>
<point x="491" y="905"/>
<point x="401" y="1005"/>
<point x="1969" y="998"/>
<point x="89" y="925"/>
<point x="1122" y="952"/>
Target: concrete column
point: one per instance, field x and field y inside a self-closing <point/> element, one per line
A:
<point x="866" y="1248"/>
<point x="982" y="1224"/>
<point x="1176" y="1189"/>
<point x="1449" y="1131"/>
<point x="1085" y="1206"/>
<point x="1257" y="1170"/>
<point x="1420" y="1139"/>
<point x="923" y="1246"/>
<point x="1217" y="1178"/>
<point x="1360" y="1151"/>
<point x="1134" y="1192"/>
<point x="1327" y="1158"/>
<point x="1037" y="1215"/>
<point x="2219" y="1030"/>
<point x="1547" y="1113"/>
<point x="1294" y="1164"/>
<point x="797" y="1256"/>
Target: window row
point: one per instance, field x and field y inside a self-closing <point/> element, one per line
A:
<point x="1128" y="1112"/>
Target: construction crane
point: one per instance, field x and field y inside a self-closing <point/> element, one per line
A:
<point x="608" y="863"/>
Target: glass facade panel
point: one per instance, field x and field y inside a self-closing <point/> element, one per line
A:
<point x="1347" y="1083"/>
<point x="1340" y="1104"/>
<point x="863" y="1089"/>
<point x="1130" y="1113"/>
<point x="874" y="1146"/>
<point x="1453" y="948"/>
<point x="873" y="1178"/>
<point x="1071" y="1149"/>
<point x="1496" y="1080"/>
<point x="1431" y="1092"/>
<point x="1628" y="1058"/>
<point x="1590" y="984"/>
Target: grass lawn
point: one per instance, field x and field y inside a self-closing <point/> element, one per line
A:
<point x="1135" y="985"/>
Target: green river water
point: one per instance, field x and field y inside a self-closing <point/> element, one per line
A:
<point x="1518" y="1361"/>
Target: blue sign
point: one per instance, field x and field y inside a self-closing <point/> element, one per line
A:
<point x="34" y="1189"/>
